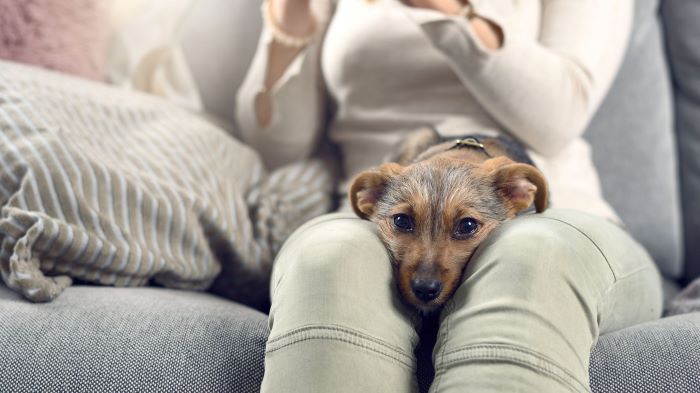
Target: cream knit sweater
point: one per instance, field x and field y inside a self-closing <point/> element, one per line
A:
<point x="383" y="69"/>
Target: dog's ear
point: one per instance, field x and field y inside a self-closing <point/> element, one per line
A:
<point x="369" y="186"/>
<point x="413" y="144"/>
<point x="518" y="184"/>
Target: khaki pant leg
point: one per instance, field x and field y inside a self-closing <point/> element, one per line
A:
<point x="336" y="322"/>
<point x="536" y="295"/>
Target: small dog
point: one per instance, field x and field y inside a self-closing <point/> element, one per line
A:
<point x="438" y="200"/>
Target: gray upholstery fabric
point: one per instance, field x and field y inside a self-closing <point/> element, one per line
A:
<point x="682" y="38"/>
<point x="670" y="290"/>
<point x="103" y="339"/>
<point x="158" y="340"/>
<point x="657" y="357"/>
<point x="687" y="301"/>
<point x="634" y="146"/>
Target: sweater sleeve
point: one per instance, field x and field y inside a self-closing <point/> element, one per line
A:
<point x="543" y="91"/>
<point x="297" y="104"/>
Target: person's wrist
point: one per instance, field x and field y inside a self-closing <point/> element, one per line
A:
<point x="294" y="17"/>
<point x="489" y="34"/>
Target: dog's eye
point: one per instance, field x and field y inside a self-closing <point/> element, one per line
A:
<point x="403" y="222"/>
<point x="466" y="227"/>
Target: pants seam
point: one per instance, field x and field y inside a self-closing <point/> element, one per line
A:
<point x="338" y="328"/>
<point x="616" y="278"/>
<point x="514" y="354"/>
<point x="589" y="239"/>
<point x="341" y="334"/>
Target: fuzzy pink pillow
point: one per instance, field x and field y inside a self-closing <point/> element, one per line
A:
<point x="63" y="35"/>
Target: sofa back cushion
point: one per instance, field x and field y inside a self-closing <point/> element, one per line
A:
<point x="682" y="38"/>
<point x="634" y="147"/>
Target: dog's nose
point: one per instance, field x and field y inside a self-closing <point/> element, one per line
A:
<point x="426" y="289"/>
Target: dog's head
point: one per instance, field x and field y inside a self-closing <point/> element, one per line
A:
<point x="433" y="213"/>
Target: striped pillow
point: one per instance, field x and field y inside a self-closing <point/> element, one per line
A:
<point x="119" y="188"/>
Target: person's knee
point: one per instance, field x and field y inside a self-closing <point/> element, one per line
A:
<point x="538" y="250"/>
<point x="338" y="272"/>
<point x="336" y="252"/>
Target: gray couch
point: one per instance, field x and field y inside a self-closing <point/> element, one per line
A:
<point x="153" y="339"/>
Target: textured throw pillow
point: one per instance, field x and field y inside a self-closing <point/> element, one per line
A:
<point x="63" y="35"/>
<point x="120" y="188"/>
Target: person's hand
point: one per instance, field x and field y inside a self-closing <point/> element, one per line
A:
<point x="294" y="17"/>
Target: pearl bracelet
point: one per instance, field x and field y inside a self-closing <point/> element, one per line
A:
<point x="277" y="32"/>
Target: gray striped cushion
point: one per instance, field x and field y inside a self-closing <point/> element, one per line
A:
<point x="119" y="188"/>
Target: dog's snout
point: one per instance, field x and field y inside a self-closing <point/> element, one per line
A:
<point x="426" y="289"/>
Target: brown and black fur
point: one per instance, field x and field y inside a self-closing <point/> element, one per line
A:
<point x="437" y="187"/>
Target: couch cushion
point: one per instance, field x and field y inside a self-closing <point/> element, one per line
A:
<point x="119" y="340"/>
<point x="634" y="147"/>
<point x="656" y="357"/>
<point x="682" y="32"/>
